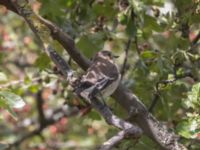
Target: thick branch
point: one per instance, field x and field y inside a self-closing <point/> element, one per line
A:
<point x="114" y="120"/>
<point x="68" y="43"/>
<point x="150" y="126"/>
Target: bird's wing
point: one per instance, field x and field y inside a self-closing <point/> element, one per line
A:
<point x="82" y="86"/>
<point x="87" y="89"/>
<point x="104" y="82"/>
<point x="98" y="77"/>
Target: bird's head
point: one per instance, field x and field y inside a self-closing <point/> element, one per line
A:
<point x="106" y="55"/>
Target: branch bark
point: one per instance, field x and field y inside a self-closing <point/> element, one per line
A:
<point x="130" y="102"/>
<point x="112" y="142"/>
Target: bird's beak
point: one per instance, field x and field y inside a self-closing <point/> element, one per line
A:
<point x="115" y="56"/>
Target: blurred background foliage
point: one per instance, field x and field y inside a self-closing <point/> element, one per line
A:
<point x="162" y="69"/>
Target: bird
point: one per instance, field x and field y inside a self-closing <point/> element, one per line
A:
<point x="101" y="78"/>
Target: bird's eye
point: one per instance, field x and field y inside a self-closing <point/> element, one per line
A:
<point x="109" y="54"/>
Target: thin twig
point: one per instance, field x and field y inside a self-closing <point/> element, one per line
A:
<point x="19" y="82"/>
<point x="137" y="46"/>
<point x="39" y="103"/>
<point x="115" y="140"/>
<point x="165" y="82"/>
<point x="126" y="57"/>
<point x="154" y="101"/>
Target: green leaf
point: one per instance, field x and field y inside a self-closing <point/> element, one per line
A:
<point x="104" y="10"/>
<point x="123" y="19"/>
<point x="94" y="115"/>
<point x="42" y="61"/>
<point x="131" y="28"/>
<point x="189" y="128"/>
<point x="85" y="45"/>
<point x="193" y="97"/>
<point x="149" y="54"/>
<point x="34" y="88"/>
<point x="9" y="101"/>
<point x="11" y="111"/>
<point x="12" y="100"/>
<point x="154" y="2"/>
<point x="90" y="44"/>
<point x="151" y="24"/>
<point x="183" y="129"/>
<point x="53" y="9"/>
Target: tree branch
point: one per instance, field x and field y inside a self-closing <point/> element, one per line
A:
<point x="18" y="82"/>
<point x="166" y="82"/>
<point x="115" y="140"/>
<point x="114" y="120"/>
<point x="126" y="57"/>
<point x="139" y="114"/>
<point x="68" y="43"/>
<point x="39" y="103"/>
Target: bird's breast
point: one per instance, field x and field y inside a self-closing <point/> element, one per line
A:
<point x="111" y="88"/>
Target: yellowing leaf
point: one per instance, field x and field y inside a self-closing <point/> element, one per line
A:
<point x="149" y="54"/>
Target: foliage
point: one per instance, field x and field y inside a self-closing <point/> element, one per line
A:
<point x="10" y="100"/>
<point x="163" y="60"/>
<point x="189" y="127"/>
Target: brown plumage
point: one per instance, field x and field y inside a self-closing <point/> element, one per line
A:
<point x="101" y="77"/>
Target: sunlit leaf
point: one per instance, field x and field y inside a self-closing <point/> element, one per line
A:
<point x="42" y="61"/>
<point x="151" y="24"/>
<point x="149" y="54"/>
<point x="11" y="99"/>
<point x="189" y="128"/>
<point x="193" y="99"/>
<point x="3" y="77"/>
<point x="183" y="129"/>
<point x="34" y="88"/>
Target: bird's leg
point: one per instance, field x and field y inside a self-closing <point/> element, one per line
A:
<point x="96" y="93"/>
<point x="103" y="100"/>
<point x="101" y="97"/>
